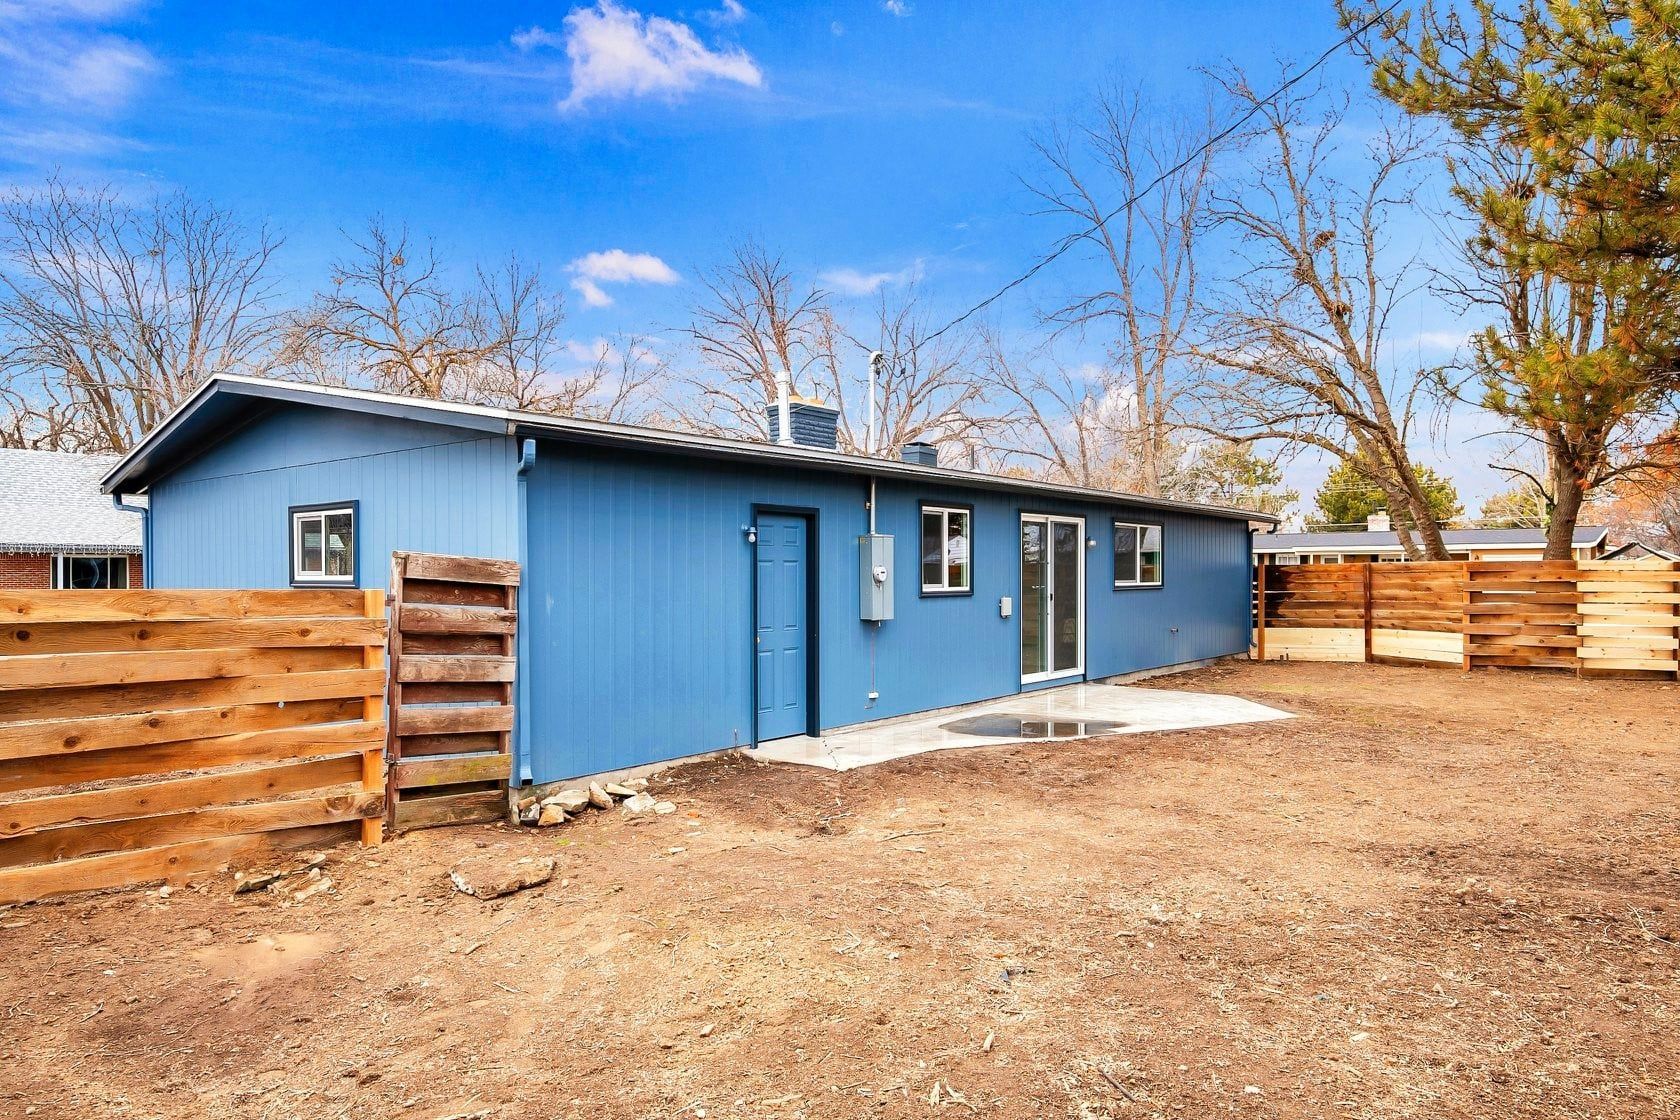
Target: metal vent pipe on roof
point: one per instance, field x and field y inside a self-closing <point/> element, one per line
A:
<point x="784" y="389"/>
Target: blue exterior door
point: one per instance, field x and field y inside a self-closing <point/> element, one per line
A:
<point x="781" y="626"/>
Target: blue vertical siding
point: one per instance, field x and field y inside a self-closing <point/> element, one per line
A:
<point x="221" y="520"/>
<point x="640" y="618"/>
<point x="637" y="605"/>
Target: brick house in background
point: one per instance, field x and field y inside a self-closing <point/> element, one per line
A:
<point x="58" y="530"/>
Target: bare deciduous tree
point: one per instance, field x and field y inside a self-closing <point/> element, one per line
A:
<point x="619" y="385"/>
<point x="926" y="392"/>
<point x="112" y="313"/>
<point x="1077" y="425"/>
<point x="752" y="324"/>
<point x="1147" y="253"/>
<point x="1295" y="347"/>
<point x="391" y="312"/>
<point x="393" y="318"/>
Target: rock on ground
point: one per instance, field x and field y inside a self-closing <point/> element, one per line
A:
<point x="571" y="800"/>
<point x="638" y="803"/>
<point x="495" y="876"/>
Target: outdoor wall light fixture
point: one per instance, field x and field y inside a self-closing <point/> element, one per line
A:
<point x="752" y="533"/>
<point x="1090" y="542"/>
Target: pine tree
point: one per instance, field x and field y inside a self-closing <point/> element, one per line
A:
<point x="1349" y="496"/>
<point x="1568" y="117"/>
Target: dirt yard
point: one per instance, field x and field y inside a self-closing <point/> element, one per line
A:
<point x="1431" y="895"/>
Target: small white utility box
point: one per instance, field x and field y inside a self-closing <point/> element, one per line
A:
<point x="875" y="577"/>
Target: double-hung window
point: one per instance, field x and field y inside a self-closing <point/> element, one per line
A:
<point x="323" y="543"/>
<point x="947" y="550"/>
<point x="1137" y="554"/>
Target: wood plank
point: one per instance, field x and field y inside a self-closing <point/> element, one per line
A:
<point x="435" y="667"/>
<point x="248" y="633"/>
<point x="460" y="569"/>
<point x="1512" y="661"/>
<point x="181" y="606"/>
<point x="308" y="741"/>
<point x="441" y="593"/>
<point x="416" y="618"/>
<point x="80" y="670"/>
<point x="75" y="841"/>
<point x="449" y="721"/>
<point x="256" y="783"/>
<point x="104" y="700"/>
<point x="474" y="742"/>
<point x="69" y="736"/>
<point x="446" y="771"/>
<point x="460" y="808"/>
<point x="452" y="643"/>
<point x="175" y="861"/>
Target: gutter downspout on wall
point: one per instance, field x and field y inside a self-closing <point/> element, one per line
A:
<point x="145" y="513"/>
<point x="522" y="675"/>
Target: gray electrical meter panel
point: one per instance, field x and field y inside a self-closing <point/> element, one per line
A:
<point x="875" y="577"/>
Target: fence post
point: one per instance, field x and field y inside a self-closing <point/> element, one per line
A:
<point x="1260" y="611"/>
<point x="1464" y="614"/>
<point x="373" y="709"/>
<point x="1674" y="589"/>
<point x="1367" y="583"/>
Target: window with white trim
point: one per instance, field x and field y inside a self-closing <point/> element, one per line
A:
<point x="1137" y="554"/>
<point x="947" y="550"/>
<point x="89" y="572"/>
<point x="323" y="542"/>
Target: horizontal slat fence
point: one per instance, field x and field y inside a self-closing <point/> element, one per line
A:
<point x="1591" y="617"/>
<point x="150" y="734"/>
<point x="453" y="666"/>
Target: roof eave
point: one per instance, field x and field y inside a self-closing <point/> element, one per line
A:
<point x="660" y="441"/>
<point x="134" y="464"/>
<point x="132" y="473"/>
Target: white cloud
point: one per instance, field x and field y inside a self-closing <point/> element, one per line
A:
<point x="837" y="29"/>
<point x="616" y="53"/>
<point x="730" y="12"/>
<point x="592" y="294"/>
<point x="852" y="282"/>
<point x="895" y="8"/>
<point x="615" y="266"/>
<point x="52" y="53"/>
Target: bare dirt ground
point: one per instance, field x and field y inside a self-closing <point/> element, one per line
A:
<point x="1432" y="895"/>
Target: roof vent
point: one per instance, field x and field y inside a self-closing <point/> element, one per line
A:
<point x="921" y="454"/>
<point x="811" y="423"/>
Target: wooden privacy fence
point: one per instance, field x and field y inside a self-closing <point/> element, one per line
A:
<point x="1594" y="617"/>
<point x="453" y="662"/>
<point x="149" y="734"/>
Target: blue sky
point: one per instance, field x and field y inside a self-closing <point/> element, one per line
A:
<point x="867" y="141"/>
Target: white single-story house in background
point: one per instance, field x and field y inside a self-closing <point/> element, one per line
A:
<point x="1379" y="543"/>
<point x="58" y="530"/>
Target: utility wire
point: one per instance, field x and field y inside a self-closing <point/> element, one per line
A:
<point x="1218" y="138"/>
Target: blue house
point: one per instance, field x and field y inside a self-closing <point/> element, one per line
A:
<point x="681" y="593"/>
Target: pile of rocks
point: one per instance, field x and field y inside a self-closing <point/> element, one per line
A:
<point x="629" y="796"/>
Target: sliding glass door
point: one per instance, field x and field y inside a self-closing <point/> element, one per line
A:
<point x="1052" y="597"/>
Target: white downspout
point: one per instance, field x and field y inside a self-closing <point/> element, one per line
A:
<point x="784" y="412"/>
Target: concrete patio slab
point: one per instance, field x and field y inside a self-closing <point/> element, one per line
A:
<point x="1074" y="711"/>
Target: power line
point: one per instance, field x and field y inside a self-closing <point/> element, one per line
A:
<point x="1201" y="150"/>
